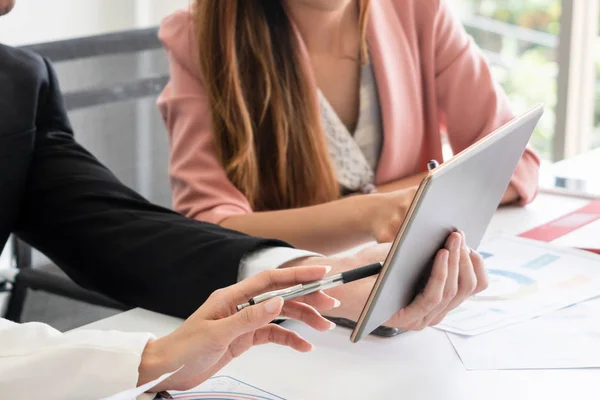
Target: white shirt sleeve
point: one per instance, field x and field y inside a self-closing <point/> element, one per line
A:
<point x="269" y="258"/>
<point x="39" y="362"/>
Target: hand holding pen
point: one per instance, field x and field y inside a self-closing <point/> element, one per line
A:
<point x="304" y="289"/>
<point x="216" y="333"/>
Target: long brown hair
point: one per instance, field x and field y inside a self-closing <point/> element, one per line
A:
<point x="266" y="123"/>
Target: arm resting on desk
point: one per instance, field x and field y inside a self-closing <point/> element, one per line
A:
<point x="510" y="196"/>
<point x="108" y="238"/>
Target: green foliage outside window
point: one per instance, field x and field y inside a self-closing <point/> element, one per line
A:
<point x="527" y="71"/>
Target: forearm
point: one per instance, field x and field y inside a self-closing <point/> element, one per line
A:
<point x="327" y="228"/>
<point x="403" y="183"/>
<point x="510" y="196"/>
<point x="349" y="294"/>
<point x="110" y="239"/>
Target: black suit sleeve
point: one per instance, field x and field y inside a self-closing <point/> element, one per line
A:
<point x="108" y="238"/>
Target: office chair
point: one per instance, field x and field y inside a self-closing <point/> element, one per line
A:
<point x="48" y="277"/>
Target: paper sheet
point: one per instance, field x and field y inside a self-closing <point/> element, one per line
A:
<point x="568" y="338"/>
<point x="527" y="279"/>
<point x="586" y="237"/>
<point x="579" y="228"/>
<point x="140" y="390"/>
<point x="225" y="388"/>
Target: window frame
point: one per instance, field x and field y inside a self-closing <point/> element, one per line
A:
<point x="576" y="82"/>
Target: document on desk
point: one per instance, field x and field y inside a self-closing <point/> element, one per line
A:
<point x="527" y="279"/>
<point x="225" y="388"/>
<point x="568" y="338"/>
<point x="578" y="229"/>
<point x="586" y="237"/>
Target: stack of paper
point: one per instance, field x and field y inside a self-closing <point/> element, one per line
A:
<point x="569" y="338"/>
<point x="578" y="229"/>
<point x="498" y="328"/>
<point x="527" y="279"/>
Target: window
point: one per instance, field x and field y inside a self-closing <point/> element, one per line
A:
<point x="520" y="40"/>
<point x="595" y="139"/>
<point x="544" y="51"/>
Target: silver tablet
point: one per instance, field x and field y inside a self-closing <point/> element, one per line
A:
<point x="462" y="193"/>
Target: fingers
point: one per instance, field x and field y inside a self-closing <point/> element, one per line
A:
<point x="467" y="281"/>
<point x="319" y="300"/>
<point x="453" y="245"/>
<point x="480" y="272"/>
<point x="412" y="316"/>
<point x="458" y="273"/>
<point x="267" y="281"/>
<point x="308" y="315"/>
<point x="255" y="317"/>
<point x="276" y="334"/>
<point x="250" y="319"/>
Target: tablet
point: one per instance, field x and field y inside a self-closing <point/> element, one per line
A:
<point x="462" y="193"/>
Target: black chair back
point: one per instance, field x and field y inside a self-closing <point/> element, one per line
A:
<point x="110" y="83"/>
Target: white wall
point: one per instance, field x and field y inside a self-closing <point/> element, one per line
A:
<point x="34" y="21"/>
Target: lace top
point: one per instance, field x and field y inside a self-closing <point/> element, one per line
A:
<point x="355" y="155"/>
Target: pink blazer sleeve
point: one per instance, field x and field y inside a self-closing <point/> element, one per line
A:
<point x="472" y="105"/>
<point x="201" y="189"/>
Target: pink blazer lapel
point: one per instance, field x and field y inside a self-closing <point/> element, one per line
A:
<point x="304" y="58"/>
<point x="400" y="94"/>
<point x="398" y="82"/>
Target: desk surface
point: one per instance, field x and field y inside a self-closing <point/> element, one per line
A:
<point x="583" y="166"/>
<point x="415" y="365"/>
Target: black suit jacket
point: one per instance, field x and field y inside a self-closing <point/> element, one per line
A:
<point x="63" y="201"/>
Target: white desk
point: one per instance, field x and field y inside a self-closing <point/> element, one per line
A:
<point x="583" y="166"/>
<point x="412" y="366"/>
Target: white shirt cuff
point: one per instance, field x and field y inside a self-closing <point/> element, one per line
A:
<point x="81" y="364"/>
<point x="270" y="258"/>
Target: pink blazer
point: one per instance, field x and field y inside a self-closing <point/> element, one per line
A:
<point x="430" y="76"/>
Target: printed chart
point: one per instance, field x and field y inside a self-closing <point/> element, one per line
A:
<point x="568" y="338"/>
<point x="225" y="388"/>
<point x="527" y="279"/>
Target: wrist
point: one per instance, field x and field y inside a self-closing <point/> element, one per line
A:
<point x="297" y="262"/>
<point x="510" y="196"/>
<point x="337" y="264"/>
<point x="363" y="208"/>
<point x="154" y="362"/>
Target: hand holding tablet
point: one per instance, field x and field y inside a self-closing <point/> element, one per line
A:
<point x="431" y="268"/>
<point x="463" y="193"/>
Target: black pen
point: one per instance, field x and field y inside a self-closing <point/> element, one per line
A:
<point x="308" y="288"/>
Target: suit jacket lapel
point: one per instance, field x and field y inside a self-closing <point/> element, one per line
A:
<point x="398" y="83"/>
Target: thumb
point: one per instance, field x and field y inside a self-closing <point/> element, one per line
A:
<point x="252" y="318"/>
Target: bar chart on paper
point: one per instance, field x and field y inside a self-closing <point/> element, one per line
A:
<point x="225" y="388"/>
<point x="526" y="279"/>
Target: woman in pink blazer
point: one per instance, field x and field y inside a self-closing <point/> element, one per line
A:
<point x="266" y="101"/>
